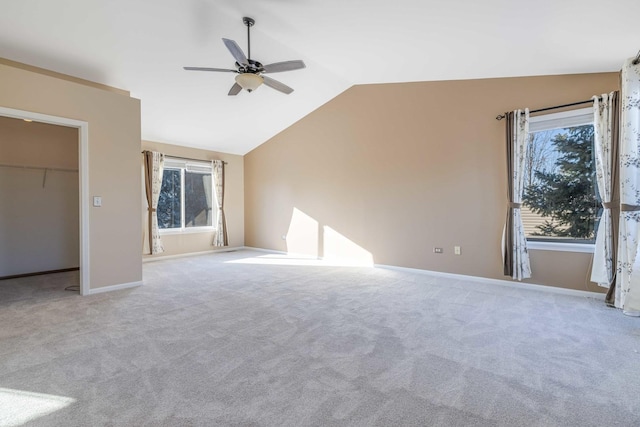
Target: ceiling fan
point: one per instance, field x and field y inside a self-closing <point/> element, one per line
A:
<point x="250" y="72"/>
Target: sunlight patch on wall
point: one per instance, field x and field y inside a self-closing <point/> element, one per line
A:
<point x="18" y="407"/>
<point x="340" y="250"/>
<point x="302" y="236"/>
<point x="310" y="244"/>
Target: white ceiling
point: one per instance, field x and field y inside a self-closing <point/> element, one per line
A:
<point x="142" y="45"/>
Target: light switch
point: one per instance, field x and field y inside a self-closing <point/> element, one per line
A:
<point x="97" y="201"/>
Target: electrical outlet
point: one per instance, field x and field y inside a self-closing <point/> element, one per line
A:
<point x="97" y="201"/>
<point x="437" y="250"/>
<point x="456" y="250"/>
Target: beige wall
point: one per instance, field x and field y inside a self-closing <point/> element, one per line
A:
<point x="38" y="144"/>
<point x="114" y="162"/>
<point x="395" y="170"/>
<point x="39" y="224"/>
<point x="183" y="243"/>
<point x="61" y="76"/>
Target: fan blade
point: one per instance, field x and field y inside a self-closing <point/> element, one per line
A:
<point x="235" y="89"/>
<point x="277" y="85"/>
<point x="224" y="70"/>
<point x="235" y="50"/>
<point x="278" y="67"/>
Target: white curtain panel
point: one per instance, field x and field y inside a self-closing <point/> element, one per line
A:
<point x="628" y="266"/>
<point x="220" y="238"/>
<point x="521" y="265"/>
<point x="154" y="175"/>
<point x="602" y="271"/>
<point x="206" y="182"/>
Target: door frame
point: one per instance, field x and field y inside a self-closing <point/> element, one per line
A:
<point x="83" y="178"/>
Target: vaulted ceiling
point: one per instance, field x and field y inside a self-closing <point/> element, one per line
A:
<point x="142" y="45"/>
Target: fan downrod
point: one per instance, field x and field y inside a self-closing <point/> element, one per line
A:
<point x="249" y="23"/>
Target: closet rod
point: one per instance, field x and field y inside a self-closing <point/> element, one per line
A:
<point x="37" y="168"/>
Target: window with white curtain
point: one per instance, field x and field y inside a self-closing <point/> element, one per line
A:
<point x="561" y="202"/>
<point x="186" y="196"/>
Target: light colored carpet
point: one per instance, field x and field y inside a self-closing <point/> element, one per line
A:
<point x="243" y="339"/>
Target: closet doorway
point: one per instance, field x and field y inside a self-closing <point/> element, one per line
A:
<point x="43" y="177"/>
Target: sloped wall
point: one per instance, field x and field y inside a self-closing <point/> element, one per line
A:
<point x="388" y="172"/>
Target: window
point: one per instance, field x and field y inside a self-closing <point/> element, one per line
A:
<point x="561" y="202"/>
<point x="186" y="196"/>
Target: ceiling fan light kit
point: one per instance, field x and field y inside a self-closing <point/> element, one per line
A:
<point x="250" y="71"/>
<point x="248" y="81"/>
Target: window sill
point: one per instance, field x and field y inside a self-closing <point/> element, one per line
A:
<point x="561" y="247"/>
<point x="187" y="230"/>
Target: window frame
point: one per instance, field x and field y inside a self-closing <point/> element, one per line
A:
<point x="199" y="167"/>
<point x="564" y="119"/>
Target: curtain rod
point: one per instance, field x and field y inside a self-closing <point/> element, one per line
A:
<point x="502" y="116"/>
<point x="636" y="61"/>
<point x="189" y="158"/>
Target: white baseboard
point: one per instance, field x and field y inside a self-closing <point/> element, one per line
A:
<point x="499" y="282"/>
<point x="188" y="254"/>
<point x="114" y="288"/>
<point x="269" y="251"/>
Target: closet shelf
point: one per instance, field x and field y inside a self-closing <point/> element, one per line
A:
<point x="37" y="168"/>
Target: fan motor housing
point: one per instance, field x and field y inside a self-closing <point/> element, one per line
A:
<point x="254" y="67"/>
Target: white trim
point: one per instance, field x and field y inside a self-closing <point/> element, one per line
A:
<point x="83" y="156"/>
<point x="83" y="177"/>
<point x="499" y="282"/>
<point x="188" y="254"/>
<point x="587" y="248"/>
<point x="563" y="114"/>
<point x="187" y="230"/>
<point x="545" y="122"/>
<point x="579" y="117"/>
<point x="182" y="166"/>
<point x="270" y="251"/>
<point x="110" y="288"/>
<point x="176" y="163"/>
<point x="292" y="254"/>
